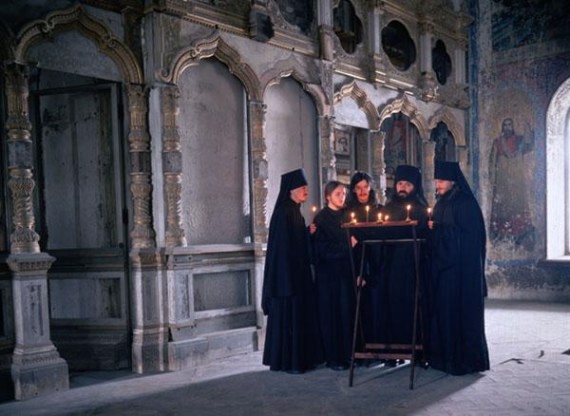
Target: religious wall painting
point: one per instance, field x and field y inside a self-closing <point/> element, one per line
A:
<point x="511" y="173"/>
<point x="342" y="146"/>
<point x="518" y="23"/>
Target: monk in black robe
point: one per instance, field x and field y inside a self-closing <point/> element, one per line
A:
<point x="334" y="278"/>
<point x="457" y="344"/>
<point x="292" y="341"/>
<point x="398" y="269"/>
<point x="362" y="206"/>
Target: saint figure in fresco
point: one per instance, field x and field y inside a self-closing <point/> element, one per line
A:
<point x="509" y="168"/>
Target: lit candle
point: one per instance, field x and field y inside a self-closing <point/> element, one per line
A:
<point x="429" y="214"/>
<point x="386" y="218"/>
<point x="314" y="210"/>
<point x="367" y="210"/>
<point x="380" y="217"/>
<point x="352" y="217"/>
<point x="408" y="208"/>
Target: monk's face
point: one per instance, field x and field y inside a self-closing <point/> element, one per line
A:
<point x="362" y="191"/>
<point x="442" y="186"/>
<point x="300" y="195"/>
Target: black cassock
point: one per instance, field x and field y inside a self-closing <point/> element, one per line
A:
<point x="370" y="294"/>
<point x="335" y="287"/>
<point x="457" y="343"/>
<point x="292" y="341"/>
<point x="397" y="278"/>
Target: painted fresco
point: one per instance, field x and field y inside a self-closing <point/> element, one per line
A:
<point x="511" y="170"/>
<point x="517" y="23"/>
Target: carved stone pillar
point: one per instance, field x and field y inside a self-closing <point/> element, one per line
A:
<point x="37" y="368"/>
<point x="326" y="33"/>
<point x="172" y="166"/>
<point x="427" y="82"/>
<point x="24" y="238"/>
<point x="428" y="171"/>
<point x="326" y="126"/>
<point x="259" y="160"/>
<point x="259" y="209"/>
<point x="142" y="234"/>
<point x="378" y="169"/>
<point x="375" y="22"/>
<point x="328" y="160"/>
<point x="150" y="318"/>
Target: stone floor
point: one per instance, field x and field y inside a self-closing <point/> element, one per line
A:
<point x="529" y="345"/>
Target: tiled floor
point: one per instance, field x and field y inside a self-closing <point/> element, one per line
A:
<point x="530" y="375"/>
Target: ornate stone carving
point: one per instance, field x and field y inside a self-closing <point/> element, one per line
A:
<point x="306" y="75"/>
<point x="142" y="234"/>
<point x="456" y="129"/>
<point x="172" y="166"/>
<point x="353" y="91"/>
<point x="24" y="238"/>
<point x="214" y="46"/>
<point x="77" y="18"/>
<point x="428" y="86"/>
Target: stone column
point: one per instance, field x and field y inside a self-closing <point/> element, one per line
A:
<point x="37" y="368"/>
<point x="172" y="166"/>
<point x="142" y="234"/>
<point x="326" y="126"/>
<point x="150" y="330"/>
<point x="428" y="83"/>
<point x="328" y="160"/>
<point x="259" y="161"/>
<point x="150" y="334"/>
<point x="326" y="33"/>
<point x="378" y="168"/>
<point x="259" y="209"/>
<point x="375" y="22"/>
<point x="428" y="171"/>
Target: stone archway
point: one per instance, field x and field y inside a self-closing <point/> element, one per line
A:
<point x="557" y="164"/>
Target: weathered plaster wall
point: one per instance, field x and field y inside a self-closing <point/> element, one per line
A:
<point x="519" y="68"/>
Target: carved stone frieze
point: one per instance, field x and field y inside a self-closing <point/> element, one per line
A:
<point x="77" y="18"/>
<point x="172" y="168"/>
<point x="25" y="263"/>
<point x="142" y="234"/>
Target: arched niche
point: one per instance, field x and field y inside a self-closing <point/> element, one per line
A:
<point x="356" y="142"/>
<point x="212" y="46"/>
<point x="353" y="91"/>
<point x="76" y="18"/>
<point x="404" y="133"/>
<point x="311" y="83"/>
<point x="456" y="129"/>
